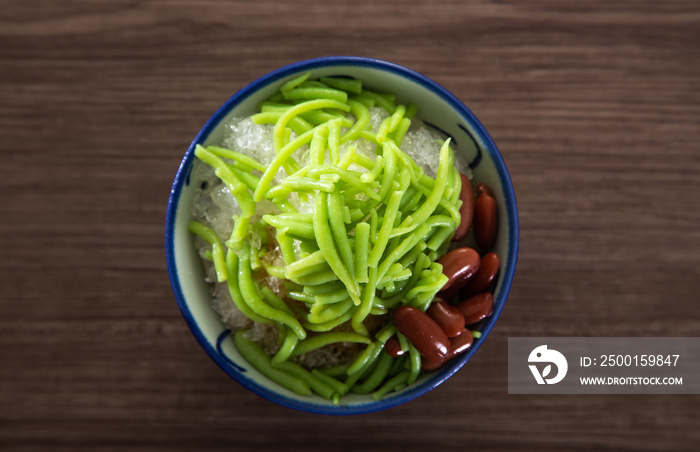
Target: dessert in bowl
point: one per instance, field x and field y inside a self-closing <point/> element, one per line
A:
<point x="341" y="235"/>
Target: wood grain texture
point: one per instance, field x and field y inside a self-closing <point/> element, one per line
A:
<point x="594" y="105"/>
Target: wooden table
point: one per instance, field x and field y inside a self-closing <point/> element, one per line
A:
<point x="595" y="108"/>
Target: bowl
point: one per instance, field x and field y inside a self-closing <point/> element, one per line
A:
<point x="437" y="107"/>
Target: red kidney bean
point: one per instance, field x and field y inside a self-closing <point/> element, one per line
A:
<point x="447" y="316"/>
<point x="423" y="332"/>
<point x="466" y="211"/>
<point x="484" y="277"/>
<point x="482" y="188"/>
<point x="459" y="266"/>
<point x="393" y="347"/>
<point x="429" y="365"/>
<point x="458" y="344"/>
<point x="485" y="221"/>
<point x="476" y="308"/>
<point x="461" y="343"/>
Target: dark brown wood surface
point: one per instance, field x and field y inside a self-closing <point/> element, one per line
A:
<point x="595" y="107"/>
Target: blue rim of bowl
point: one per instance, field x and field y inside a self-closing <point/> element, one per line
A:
<point x="506" y="277"/>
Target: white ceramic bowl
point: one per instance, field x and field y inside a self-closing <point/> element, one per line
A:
<point x="437" y="107"/>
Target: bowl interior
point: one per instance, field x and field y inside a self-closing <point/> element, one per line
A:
<point x="435" y="106"/>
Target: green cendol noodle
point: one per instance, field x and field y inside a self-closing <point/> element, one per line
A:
<point x="370" y="243"/>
